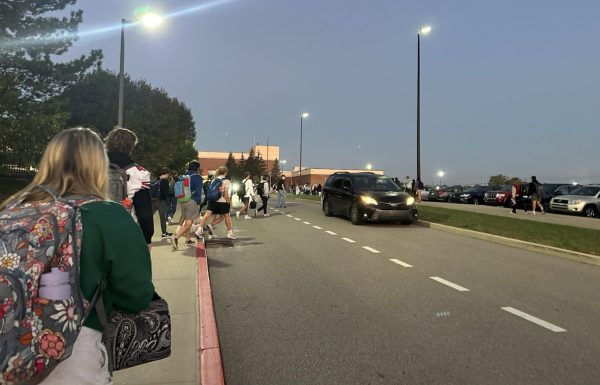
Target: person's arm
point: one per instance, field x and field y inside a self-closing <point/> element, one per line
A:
<point x="164" y="189"/>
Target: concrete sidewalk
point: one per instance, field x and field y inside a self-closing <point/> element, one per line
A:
<point x="175" y="278"/>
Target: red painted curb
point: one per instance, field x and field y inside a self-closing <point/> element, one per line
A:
<point x="211" y="365"/>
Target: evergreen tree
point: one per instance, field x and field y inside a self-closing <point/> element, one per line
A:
<point x="232" y="167"/>
<point x="275" y="171"/>
<point x="30" y="36"/>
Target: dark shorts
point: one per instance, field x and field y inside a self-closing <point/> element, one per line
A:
<point x="535" y="197"/>
<point x="246" y="201"/>
<point x="219" y="207"/>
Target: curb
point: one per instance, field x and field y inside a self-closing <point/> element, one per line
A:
<point x="210" y="365"/>
<point x="551" y="250"/>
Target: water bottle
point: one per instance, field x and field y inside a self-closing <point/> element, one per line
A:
<point x="55" y="285"/>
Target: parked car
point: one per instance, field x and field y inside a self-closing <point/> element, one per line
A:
<point x="549" y="191"/>
<point x="584" y="201"/>
<point x="499" y="196"/>
<point x="474" y="195"/>
<point x="443" y="194"/>
<point x="367" y="197"/>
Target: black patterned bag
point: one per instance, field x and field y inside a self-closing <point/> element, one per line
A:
<point x="133" y="339"/>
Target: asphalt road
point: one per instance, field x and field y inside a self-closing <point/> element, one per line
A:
<point x="305" y="299"/>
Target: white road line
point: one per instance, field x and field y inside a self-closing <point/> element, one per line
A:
<point x="372" y="250"/>
<point x="291" y="216"/>
<point x="448" y="283"/>
<point x="330" y="232"/>
<point x="306" y="223"/>
<point x="349" y="240"/>
<point x="535" y="320"/>
<point x="400" y="263"/>
<point x="298" y="219"/>
<point x="318" y="228"/>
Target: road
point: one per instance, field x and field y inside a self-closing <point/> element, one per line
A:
<point x="305" y="299"/>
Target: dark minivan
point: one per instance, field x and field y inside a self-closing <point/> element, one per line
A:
<point x="367" y="196"/>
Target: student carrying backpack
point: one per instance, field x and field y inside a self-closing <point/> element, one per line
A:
<point x="215" y="190"/>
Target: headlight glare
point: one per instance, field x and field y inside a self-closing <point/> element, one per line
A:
<point x="410" y="201"/>
<point x="368" y="200"/>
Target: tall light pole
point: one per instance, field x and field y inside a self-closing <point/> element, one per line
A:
<point x="424" y="31"/>
<point x="302" y="117"/>
<point x="440" y="174"/>
<point x="149" y="20"/>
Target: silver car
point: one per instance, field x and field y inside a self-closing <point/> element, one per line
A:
<point x="584" y="201"/>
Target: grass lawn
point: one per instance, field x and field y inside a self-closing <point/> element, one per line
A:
<point x="565" y="237"/>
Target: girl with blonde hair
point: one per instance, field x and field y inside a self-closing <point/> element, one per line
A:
<point x="75" y="163"/>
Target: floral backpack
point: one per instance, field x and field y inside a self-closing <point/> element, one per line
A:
<point x="37" y="333"/>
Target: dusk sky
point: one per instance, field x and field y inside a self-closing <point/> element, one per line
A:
<point x="510" y="87"/>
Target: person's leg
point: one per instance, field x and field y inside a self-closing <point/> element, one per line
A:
<point x="162" y="215"/>
<point x="265" y="201"/>
<point x="284" y="199"/>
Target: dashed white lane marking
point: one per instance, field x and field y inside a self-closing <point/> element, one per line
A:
<point x="291" y="216"/>
<point x="318" y="228"/>
<point x="298" y="219"/>
<point x="448" y="283"/>
<point x="330" y="232"/>
<point x="372" y="250"/>
<point x="400" y="263"/>
<point x="349" y="240"/>
<point x="306" y="223"/>
<point x="535" y="320"/>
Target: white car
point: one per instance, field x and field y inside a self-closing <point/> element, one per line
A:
<point x="584" y="201"/>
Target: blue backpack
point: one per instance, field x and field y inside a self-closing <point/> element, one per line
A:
<point x="214" y="192"/>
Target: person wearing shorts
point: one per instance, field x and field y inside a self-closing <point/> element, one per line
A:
<point x="221" y="207"/>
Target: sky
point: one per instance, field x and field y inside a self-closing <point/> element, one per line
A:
<point x="508" y="87"/>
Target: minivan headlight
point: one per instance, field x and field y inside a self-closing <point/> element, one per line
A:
<point x="368" y="200"/>
<point x="410" y="201"/>
<point x="575" y="201"/>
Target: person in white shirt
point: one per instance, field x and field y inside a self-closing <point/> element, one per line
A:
<point x="263" y="191"/>
<point x="221" y="206"/>
<point x="249" y="188"/>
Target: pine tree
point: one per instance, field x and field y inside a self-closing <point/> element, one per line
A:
<point x="275" y="171"/>
<point x="232" y="167"/>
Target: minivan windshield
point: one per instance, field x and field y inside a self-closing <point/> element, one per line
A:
<point x="586" y="191"/>
<point x="374" y="183"/>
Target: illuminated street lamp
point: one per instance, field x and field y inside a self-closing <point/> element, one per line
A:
<point x="369" y="166"/>
<point x="148" y="19"/>
<point x="283" y="163"/>
<point x="302" y="117"/>
<point x="422" y="31"/>
<point x="440" y="174"/>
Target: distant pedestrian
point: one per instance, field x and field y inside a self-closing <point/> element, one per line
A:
<point x="221" y="206"/>
<point x="536" y="193"/>
<point x="159" y="203"/>
<point x="248" y="188"/>
<point x="190" y="209"/>
<point x="407" y="184"/>
<point x="262" y="190"/>
<point x="171" y="200"/>
<point x="281" y="192"/>
<point x="517" y="197"/>
<point x="420" y="186"/>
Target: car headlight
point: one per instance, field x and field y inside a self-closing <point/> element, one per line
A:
<point x="368" y="200"/>
<point x="410" y="201"/>
<point x="575" y="202"/>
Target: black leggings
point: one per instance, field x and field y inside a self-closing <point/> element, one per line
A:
<point x="264" y="204"/>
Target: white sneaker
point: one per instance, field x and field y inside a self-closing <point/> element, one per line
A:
<point x="231" y="236"/>
<point x="247" y="217"/>
<point x="170" y="220"/>
<point x="266" y="215"/>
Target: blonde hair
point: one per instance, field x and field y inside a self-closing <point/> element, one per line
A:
<point x="75" y="162"/>
<point x="222" y="170"/>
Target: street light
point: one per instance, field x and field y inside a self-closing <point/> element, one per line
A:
<point x="149" y="20"/>
<point x="423" y="30"/>
<point x="302" y="117"/>
<point x="440" y="174"/>
<point x="369" y="166"/>
<point x="283" y="163"/>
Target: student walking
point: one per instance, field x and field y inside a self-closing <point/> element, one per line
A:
<point x="171" y="200"/>
<point x="189" y="209"/>
<point x="536" y="193"/>
<point x="516" y="197"/>
<point x="281" y="192"/>
<point x="220" y="206"/>
<point x="263" y="191"/>
<point x="74" y="166"/>
<point x="160" y="203"/>
<point x="248" y="187"/>
<point x="120" y="143"/>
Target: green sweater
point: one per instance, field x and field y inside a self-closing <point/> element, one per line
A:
<point x="113" y="245"/>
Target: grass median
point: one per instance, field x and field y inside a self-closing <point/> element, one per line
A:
<point x="565" y="237"/>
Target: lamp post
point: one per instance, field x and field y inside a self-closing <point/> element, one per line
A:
<point x="148" y="20"/>
<point x="302" y="117"/>
<point x="440" y="174"/>
<point x="424" y="31"/>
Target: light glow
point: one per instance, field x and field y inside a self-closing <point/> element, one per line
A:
<point x="425" y="30"/>
<point x="305" y="115"/>
<point x="410" y="201"/>
<point x="369" y="166"/>
<point x="368" y="200"/>
<point x="151" y="20"/>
